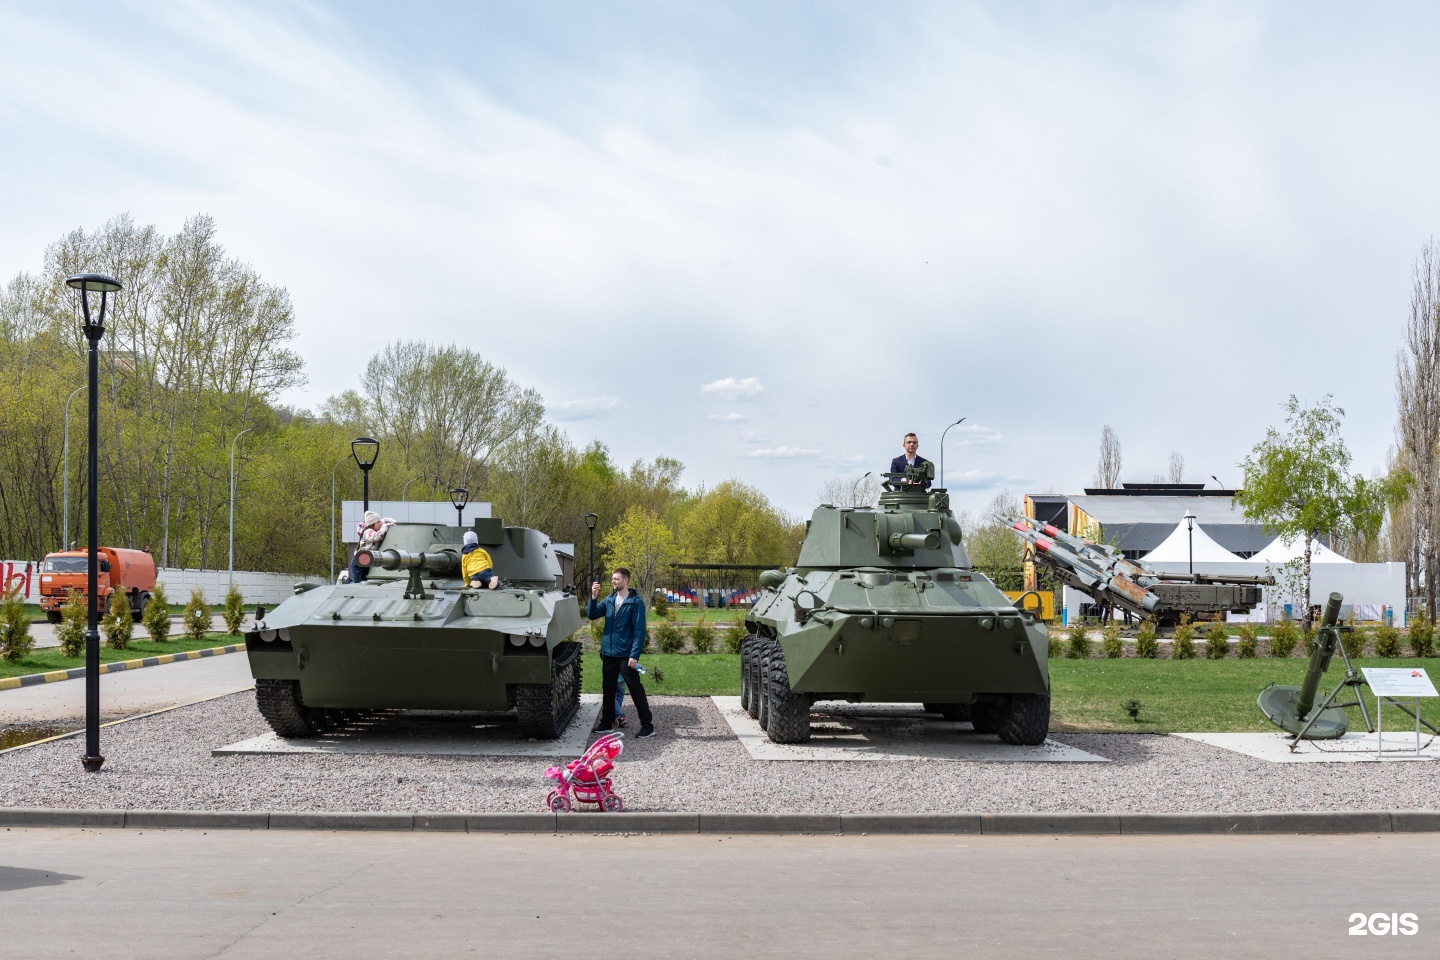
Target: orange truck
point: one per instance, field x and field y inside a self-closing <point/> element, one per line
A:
<point x="130" y="571"/>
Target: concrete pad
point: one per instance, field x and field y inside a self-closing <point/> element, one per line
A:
<point x="1351" y="748"/>
<point x="129" y="692"/>
<point x="888" y="731"/>
<point x="402" y="734"/>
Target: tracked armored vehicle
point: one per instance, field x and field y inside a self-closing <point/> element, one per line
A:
<point x="884" y="606"/>
<point x="414" y="636"/>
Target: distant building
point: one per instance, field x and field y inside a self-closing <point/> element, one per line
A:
<point x="1138" y="517"/>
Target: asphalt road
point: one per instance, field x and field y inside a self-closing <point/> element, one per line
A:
<point x="131" y="692"/>
<point x="182" y="894"/>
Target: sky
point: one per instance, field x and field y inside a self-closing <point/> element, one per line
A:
<point x="768" y="239"/>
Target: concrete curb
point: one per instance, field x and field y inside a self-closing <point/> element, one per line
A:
<point x="1010" y="824"/>
<point x="118" y="666"/>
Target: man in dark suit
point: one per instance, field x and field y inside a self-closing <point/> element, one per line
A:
<point x="911" y="459"/>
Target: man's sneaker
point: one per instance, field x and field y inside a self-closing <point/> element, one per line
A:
<point x="646" y="732"/>
<point x="601" y="728"/>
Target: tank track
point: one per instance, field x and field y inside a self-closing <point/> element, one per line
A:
<point x="1027" y="722"/>
<point x="787" y="712"/>
<point x="280" y="704"/>
<point x="546" y="709"/>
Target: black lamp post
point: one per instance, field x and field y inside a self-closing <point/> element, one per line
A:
<point x="459" y="496"/>
<point x="942" y="450"/>
<point x="94" y="331"/>
<point x="1190" y="525"/>
<point x="366" y="451"/>
<point x="590" y="519"/>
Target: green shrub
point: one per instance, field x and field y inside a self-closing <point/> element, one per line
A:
<point x="1133" y="708"/>
<point x="1056" y="649"/>
<point x="661" y="604"/>
<point x="702" y="636"/>
<point x="234" y="611"/>
<point x="1355" y="641"/>
<point x="1247" y="641"/>
<point x="15" y="639"/>
<point x="596" y="629"/>
<point x="1146" y="645"/>
<point x="119" y="623"/>
<point x="1110" y="644"/>
<point x="1078" y="647"/>
<point x="668" y="636"/>
<point x="1284" y="635"/>
<point x="1421" y="636"/>
<point x="735" y="633"/>
<point x="1183" y="642"/>
<point x="74" y="619"/>
<point x="156" y="616"/>
<point x="195" y="621"/>
<point x="1387" y="642"/>
<point x="1217" y="641"/>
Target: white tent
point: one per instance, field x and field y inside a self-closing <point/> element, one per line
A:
<point x="1278" y="553"/>
<point x="1177" y="546"/>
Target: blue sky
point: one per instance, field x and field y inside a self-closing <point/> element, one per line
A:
<point x="768" y="238"/>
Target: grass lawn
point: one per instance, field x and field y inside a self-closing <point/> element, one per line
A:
<point x="45" y="659"/>
<point x="1088" y="695"/>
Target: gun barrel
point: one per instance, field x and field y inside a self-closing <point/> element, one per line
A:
<point x="1319" y="657"/>
<point x="435" y="561"/>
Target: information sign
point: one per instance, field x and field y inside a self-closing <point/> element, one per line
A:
<point x="1399" y="682"/>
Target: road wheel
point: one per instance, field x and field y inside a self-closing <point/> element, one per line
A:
<point x="137" y="604"/>
<point x="789" y="711"/>
<point x="1027" y="721"/>
<point x="985" y="716"/>
<point x="53" y="616"/>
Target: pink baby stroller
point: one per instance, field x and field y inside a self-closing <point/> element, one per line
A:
<point x="588" y="779"/>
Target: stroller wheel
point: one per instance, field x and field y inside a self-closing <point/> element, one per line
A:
<point x="558" y="802"/>
<point x="612" y="803"/>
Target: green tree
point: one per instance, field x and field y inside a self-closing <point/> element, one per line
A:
<point x="15" y="639"/>
<point x="119" y="624"/>
<point x="642" y="542"/>
<point x="234" y="610"/>
<point x="1298" y="483"/>
<point x="74" y="621"/>
<point x="735" y="524"/>
<point x="195" y="620"/>
<point x="156" y="616"/>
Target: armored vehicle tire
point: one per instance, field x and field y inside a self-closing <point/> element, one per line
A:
<point x="280" y="704"/>
<point x="985" y="716"/>
<point x="949" y="711"/>
<point x="1027" y="720"/>
<point x="747" y="692"/>
<point x="763" y="651"/>
<point x="788" y="711"/>
<point x="545" y="709"/>
<point x="750" y="679"/>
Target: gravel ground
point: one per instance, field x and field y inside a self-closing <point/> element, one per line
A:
<point x="164" y="762"/>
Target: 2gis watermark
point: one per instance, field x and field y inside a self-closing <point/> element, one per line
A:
<point x="1383" y="924"/>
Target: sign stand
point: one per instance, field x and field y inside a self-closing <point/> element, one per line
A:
<point x="1389" y="685"/>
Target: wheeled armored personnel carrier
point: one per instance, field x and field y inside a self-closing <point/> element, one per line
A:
<point x="414" y="636"/>
<point x="883" y="605"/>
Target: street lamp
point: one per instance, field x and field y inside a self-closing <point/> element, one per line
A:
<point x="1217" y="480"/>
<point x="854" y="487"/>
<point x="65" y="534"/>
<point x="94" y="332"/>
<point x="590" y="520"/>
<point x="232" y="501"/>
<point x="403" y="497"/>
<point x="332" y="514"/>
<point x="1190" y="525"/>
<point x="459" y="496"/>
<point x="366" y="451"/>
<point x="942" y="450"/>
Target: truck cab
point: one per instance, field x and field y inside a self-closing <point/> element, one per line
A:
<point x="130" y="571"/>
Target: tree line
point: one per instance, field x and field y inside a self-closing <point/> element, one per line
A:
<point x="195" y="360"/>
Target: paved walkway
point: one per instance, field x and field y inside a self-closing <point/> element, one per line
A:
<point x="129" y="693"/>
<point x="44" y="633"/>
<point x="236" y="894"/>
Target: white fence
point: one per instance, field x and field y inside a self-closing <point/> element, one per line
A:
<point x="266" y="588"/>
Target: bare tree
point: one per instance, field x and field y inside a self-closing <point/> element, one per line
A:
<point x="1107" y="469"/>
<point x="1177" y="467"/>
<point x="1417" y="388"/>
<point x="856" y="490"/>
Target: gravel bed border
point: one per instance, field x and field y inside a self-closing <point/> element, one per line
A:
<point x="1084" y="824"/>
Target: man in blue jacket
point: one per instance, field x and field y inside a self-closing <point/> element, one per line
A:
<point x="620" y="648"/>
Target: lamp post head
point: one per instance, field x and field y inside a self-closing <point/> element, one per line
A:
<point x="365" y="450"/>
<point x="101" y="284"/>
<point x="1189" y="520"/>
<point x="590" y="519"/>
<point x="459" y="496"/>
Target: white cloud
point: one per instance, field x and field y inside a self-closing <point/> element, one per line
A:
<point x="755" y="436"/>
<point x="728" y="417"/>
<point x="746" y="388"/>
<point x="974" y="435"/>
<point x="972" y="480"/>
<point x="591" y="409"/>
<point x="782" y="453"/>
